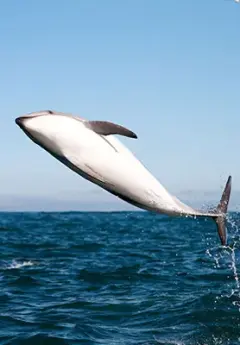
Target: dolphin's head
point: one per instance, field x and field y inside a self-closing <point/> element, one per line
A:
<point x="38" y="126"/>
<point x="47" y="128"/>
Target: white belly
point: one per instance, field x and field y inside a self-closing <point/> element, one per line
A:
<point x="114" y="168"/>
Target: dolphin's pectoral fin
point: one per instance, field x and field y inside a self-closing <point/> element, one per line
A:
<point x="108" y="128"/>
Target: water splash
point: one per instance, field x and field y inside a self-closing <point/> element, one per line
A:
<point x="232" y="249"/>
<point x="234" y="267"/>
<point x="221" y="257"/>
<point x="16" y="265"/>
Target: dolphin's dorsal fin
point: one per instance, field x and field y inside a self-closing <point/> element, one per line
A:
<point x="108" y="128"/>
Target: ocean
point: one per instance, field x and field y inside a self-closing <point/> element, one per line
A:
<point x="118" y="278"/>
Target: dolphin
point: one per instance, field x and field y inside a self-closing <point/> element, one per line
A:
<point x="91" y="149"/>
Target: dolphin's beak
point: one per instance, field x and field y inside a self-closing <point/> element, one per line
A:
<point x="20" y="121"/>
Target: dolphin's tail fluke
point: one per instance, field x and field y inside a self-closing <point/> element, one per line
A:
<point x="221" y="211"/>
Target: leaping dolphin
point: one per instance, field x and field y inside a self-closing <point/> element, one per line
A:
<point x="90" y="149"/>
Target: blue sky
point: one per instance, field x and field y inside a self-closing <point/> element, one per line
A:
<point x="168" y="70"/>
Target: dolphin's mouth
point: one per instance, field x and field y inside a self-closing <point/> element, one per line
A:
<point x="20" y="121"/>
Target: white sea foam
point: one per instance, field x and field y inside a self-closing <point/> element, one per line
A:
<point x="16" y="264"/>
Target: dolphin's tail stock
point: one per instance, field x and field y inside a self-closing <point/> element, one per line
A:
<point x="221" y="211"/>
